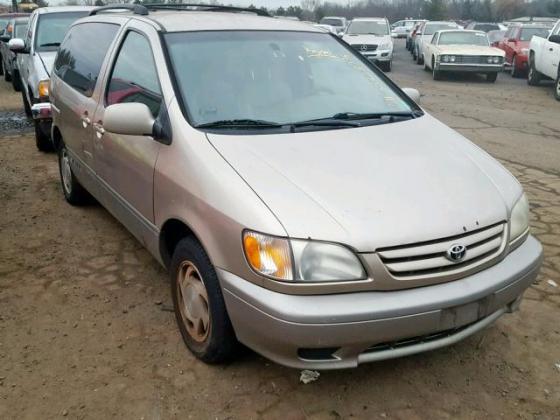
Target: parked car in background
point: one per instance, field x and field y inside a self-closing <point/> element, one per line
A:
<point x="411" y="37"/>
<point x="337" y="22"/>
<point x="426" y="34"/>
<point x="485" y="26"/>
<point x="35" y="58"/>
<point x="266" y="174"/>
<point x="402" y="28"/>
<point x="371" y="37"/>
<point x="544" y="59"/>
<point x="327" y="28"/>
<point x="495" y="37"/>
<point x="17" y="28"/>
<point x="452" y="51"/>
<point x="516" y="46"/>
<point x="5" y="18"/>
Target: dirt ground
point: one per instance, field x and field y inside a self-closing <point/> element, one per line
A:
<point x="87" y="332"/>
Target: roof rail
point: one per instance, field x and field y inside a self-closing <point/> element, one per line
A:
<point x="137" y="9"/>
<point x="203" y="7"/>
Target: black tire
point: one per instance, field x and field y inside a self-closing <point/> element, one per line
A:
<point x="534" y="77"/>
<point x="42" y="139"/>
<point x="419" y="59"/>
<point x="557" y="87"/>
<point x="491" y="77"/>
<point x="7" y="76"/>
<point x="1" y="65"/>
<point x="386" y="66"/>
<point x="26" y="106"/>
<point x="218" y="343"/>
<point x="73" y="191"/>
<point x="436" y="74"/>
<point x="414" y="56"/>
<point x="16" y="82"/>
<point x="514" y="71"/>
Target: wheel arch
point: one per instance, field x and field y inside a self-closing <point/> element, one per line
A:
<point x="172" y="231"/>
<point x="56" y="137"/>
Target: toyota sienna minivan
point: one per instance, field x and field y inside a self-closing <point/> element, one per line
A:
<point x="304" y="205"/>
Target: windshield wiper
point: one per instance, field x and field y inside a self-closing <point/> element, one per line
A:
<point x="323" y="122"/>
<point x="50" y="44"/>
<point x="239" y="123"/>
<point x="374" y="115"/>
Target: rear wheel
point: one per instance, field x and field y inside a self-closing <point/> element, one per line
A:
<point x="73" y="191"/>
<point x="420" y="59"/>
<point x="491" y="77"/>
<point x="534" y="77"/>
<point x="557" y="87"/>
<point x="199" y="305"/>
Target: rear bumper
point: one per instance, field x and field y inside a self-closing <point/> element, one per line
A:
<point x="41" y="111"/>
<point x="344" y="330"/>
<point x="471" y="68"/>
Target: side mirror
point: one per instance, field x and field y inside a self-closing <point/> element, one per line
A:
<point x="16" y="45"/>
<point x="394" y="35"/>
<point x="412" y="94"/>
<point x="131" y="119"/>
<point x="5" y="38"/>
<point x="554" y="38"/>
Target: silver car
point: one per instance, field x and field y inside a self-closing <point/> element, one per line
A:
<point x="36" y="51"/>
<point x="16" y="28"/>
<point x="303" y="204"/>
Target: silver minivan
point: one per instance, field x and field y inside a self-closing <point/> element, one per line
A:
<point x="304" y="205"/>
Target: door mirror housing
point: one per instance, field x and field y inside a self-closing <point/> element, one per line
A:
<point x="130" y="119"/>
<point x="5" y="38"/>
<point x="412" y="94"/>
<point x="554" y="38"/>
<point x="17" y="45"/>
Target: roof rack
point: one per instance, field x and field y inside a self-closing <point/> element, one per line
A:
<point x="204" y="8"/>
<point x="137" y="9"/>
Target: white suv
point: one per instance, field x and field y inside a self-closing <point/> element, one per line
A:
<point x="372" y="38"/>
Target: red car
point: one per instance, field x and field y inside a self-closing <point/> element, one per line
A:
<point x="516" y="46"/>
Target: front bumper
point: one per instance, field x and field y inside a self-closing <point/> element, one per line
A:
<point x="378" y="56"/>
<point x="344" y="330"/>
<point x="41" y="111"/>
<point x="471" y="68"/>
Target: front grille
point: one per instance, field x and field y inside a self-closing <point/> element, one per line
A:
<point x="430" y="258"/>
<point x="364" y="47"/>
<point x="471" y="59"/>
<point x="406" y="342"/>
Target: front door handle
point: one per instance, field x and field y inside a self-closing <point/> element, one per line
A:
<point x="85" y="121"/>
<point x="99" y="130"/>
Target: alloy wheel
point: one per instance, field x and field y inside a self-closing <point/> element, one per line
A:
<point x="193" y="301"/>
<point x="66" y="171"/>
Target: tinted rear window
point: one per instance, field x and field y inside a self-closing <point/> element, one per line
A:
<point x="82" y="53"/>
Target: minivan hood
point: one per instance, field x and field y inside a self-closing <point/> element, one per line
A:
<point x="47" y="58"/>
<point x="375" y="186"/>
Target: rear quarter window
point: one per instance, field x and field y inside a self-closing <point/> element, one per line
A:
<point x="81" y="54"/>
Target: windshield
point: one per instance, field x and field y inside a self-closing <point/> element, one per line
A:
<point x="52" y="27"/>
<point x="332" y="22"/>
<point x="368" y="28"/>
<point x="280" y="77"/>
<point x="486" y="27"/>
<point x="432" y="28"/>
<point x="495" y="36"/>
<point x="528" y="33"/>
<point x="21" y="29"/>
<point x="463" y="38"/>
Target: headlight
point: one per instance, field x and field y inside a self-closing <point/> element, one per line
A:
<point x="496" y="60"/>
<point x="301" y="260"/>
<point x="519" y="220"/>
<point x="489" y="59"/>
<point x="385" y="46"/>
<point x="452" y="58"/>
<point x="445" y="58"/>
<point x="43" y="89"/>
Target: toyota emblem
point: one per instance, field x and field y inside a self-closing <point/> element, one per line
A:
<point x="456" y="253"/>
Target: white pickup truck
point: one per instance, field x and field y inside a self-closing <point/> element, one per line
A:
<point x="544" y="59"/>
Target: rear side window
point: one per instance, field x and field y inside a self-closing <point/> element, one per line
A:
<point x="134" y="77"/>
<point x="82" y="53"/>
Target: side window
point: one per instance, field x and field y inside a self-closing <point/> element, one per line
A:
<point x="434" y="39"/>
<point x="29" y="36"/>
<point x="557" y="29"/>
<point x="134" y="77"/>
<point x="79" y="65"/>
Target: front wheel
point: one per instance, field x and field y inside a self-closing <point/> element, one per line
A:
<point x="199" y="304"/>
<point x="386" y="66"/>
<point x="73" y="191"/>
<point x="26" y="106"/>
<point x="420" y="59"/>
<point x="7" y="76"/>
<point x="514" y="71"/>
<point x="491" y="77"/>
<point x="42" y="139"/>
<point x="16" y="82"/>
